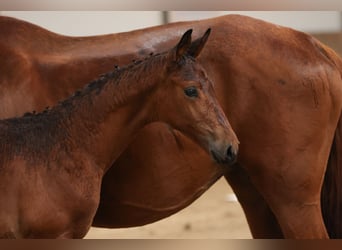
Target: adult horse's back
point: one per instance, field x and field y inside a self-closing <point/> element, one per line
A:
<point x="278" y="86"/>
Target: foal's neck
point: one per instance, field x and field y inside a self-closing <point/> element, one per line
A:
<point x="107" y="114"/>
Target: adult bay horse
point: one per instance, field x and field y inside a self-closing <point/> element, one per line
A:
<point x="280" y="88"/>
<point x="52" y="163"/>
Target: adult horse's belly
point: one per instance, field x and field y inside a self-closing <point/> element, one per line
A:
<point x="174" y="179"/>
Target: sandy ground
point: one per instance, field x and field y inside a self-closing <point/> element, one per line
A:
<point x="215" y="215"/>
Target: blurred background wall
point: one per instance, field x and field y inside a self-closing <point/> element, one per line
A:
<point x="325" y="25"/>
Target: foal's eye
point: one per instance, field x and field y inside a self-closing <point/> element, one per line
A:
<point x="191" y="92"/>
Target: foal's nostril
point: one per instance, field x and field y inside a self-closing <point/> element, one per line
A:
<point x="231" y="154"/>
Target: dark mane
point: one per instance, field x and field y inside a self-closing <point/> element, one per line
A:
<point x="132" y="71"/>
<point x="43" y="130"/>
<point x="137" y="67"/>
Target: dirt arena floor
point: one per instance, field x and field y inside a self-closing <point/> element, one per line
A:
<point x="215" y="215"/>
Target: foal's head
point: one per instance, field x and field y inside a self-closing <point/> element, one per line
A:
<point x="187" y="101"/>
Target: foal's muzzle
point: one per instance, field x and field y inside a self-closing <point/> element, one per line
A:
<point x="229" y="157"/>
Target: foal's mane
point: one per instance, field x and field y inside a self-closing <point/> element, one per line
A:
<point x="137" y="67"/>
<point x="124" y="80"/>
<point x="41" y="132"/>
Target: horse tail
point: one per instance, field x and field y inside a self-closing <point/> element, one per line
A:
<point x="331" y="194"/>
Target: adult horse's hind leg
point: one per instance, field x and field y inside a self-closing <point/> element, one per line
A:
<point x="285" y="150"/>
<point x="292" y="189"/>
<point x="298" y="210"/>
<point x="261" y="220"/>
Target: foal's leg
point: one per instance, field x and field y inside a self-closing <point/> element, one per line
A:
<point x="261" y="220"/>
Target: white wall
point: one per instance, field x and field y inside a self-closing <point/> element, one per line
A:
<point x="307" y="21"/>
<point x="82" y="23"/>
<point x="101" y="22"/>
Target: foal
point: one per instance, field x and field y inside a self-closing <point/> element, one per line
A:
<point x="52" y="163"/>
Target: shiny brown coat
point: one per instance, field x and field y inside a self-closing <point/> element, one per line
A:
<point x="280" y="88"/>
<point x="52" y="163"/>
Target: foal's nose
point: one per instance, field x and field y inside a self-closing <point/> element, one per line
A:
<point x="231" y="154"/>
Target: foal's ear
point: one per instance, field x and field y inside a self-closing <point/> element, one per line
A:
<point x="197" y="46"/>
<point x="184" y="44"/>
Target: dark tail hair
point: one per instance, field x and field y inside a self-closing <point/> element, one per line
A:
<point x="331" y="194"/>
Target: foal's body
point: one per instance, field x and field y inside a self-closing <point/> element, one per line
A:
<point x="52" y="163"/>
<point x="279" y="87"/>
